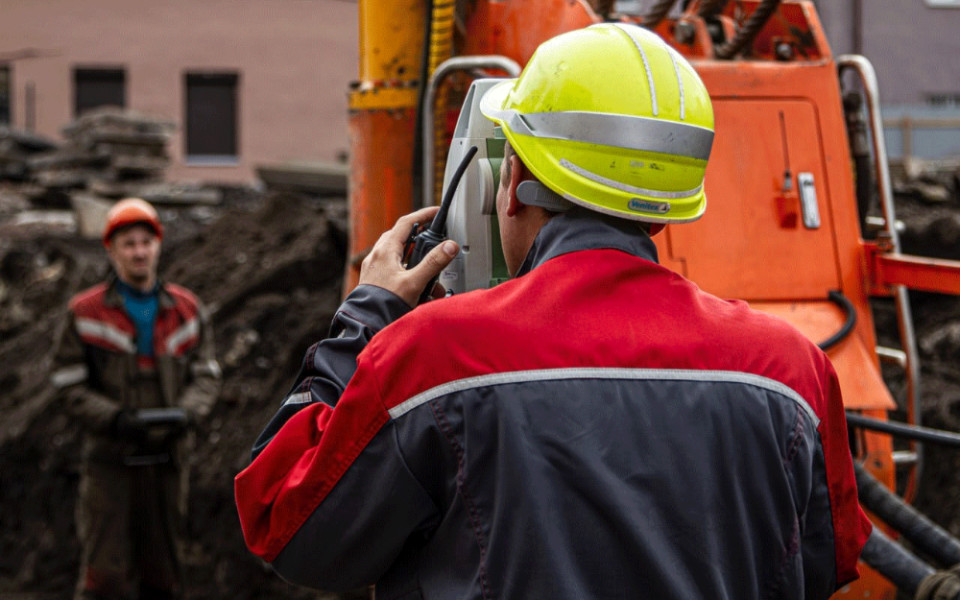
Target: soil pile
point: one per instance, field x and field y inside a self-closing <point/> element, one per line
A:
<point x="930" y="210"/>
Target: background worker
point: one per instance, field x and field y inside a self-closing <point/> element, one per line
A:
<point x="134" y="343"/>
<point x="597" y="427"/>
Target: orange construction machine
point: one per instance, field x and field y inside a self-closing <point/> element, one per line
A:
<point x="801" y="222"/>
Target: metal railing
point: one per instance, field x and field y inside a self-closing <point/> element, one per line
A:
<point x="908" y="126"/>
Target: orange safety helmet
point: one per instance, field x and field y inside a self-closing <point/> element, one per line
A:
<point x="130" y="211"/>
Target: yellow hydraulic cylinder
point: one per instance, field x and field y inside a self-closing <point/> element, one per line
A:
<point x="383" y="107"/>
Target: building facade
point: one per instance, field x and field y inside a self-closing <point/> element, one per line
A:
<point x="245" y="81"/>
<point x="257" y="81"/>
<point x="914" y="46"/>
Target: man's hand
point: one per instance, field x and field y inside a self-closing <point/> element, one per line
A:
<point x="128" y="426"/>
<point x="383" y="267"/>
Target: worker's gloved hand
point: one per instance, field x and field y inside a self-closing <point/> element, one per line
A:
<point x="164" y="425"/>
<point x="383" y="267"/>
<point x="178" y="429"/>
<point x="128" y="426"/>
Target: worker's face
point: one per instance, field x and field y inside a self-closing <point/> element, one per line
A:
<point x="134" y="252"/>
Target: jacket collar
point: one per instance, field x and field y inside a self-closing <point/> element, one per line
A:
<point x="113" y="297"/>
<point x="582" y="229"/>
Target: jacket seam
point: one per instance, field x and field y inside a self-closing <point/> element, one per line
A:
<point x="796" y="440"/>
<point x="362" y="322"/>
<point x="793" y="544"/>
<point x="474" y="513"/>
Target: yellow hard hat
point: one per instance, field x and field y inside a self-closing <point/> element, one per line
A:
<point x="611" y="118"/>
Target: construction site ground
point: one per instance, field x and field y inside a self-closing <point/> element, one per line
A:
<point x="270" y="266"/>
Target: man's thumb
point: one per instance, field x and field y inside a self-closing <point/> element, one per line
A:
<point x="438" y="258"/>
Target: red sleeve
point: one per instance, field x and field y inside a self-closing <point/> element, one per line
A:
<point x="850" y="525"/>
<point x="304" y="461"/>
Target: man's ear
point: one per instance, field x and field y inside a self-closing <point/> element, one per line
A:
<point x="517" y="174"/>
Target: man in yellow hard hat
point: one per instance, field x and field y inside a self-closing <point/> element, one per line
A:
<point x="596" y="427"/>
<point x="136" y="367"/>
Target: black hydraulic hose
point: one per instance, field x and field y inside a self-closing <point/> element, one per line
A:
<point x="843" y="302"/>
<point x="860" y="150"/>
<point x="657" y="12"/>
<point x="863" y="171"/>
<point x="894" y="562"/>
<point x="745" y="35"/>
<point x="906" y="431"/>
<point x="926" y="535"/>
<point x="603" y="8"/>
<point x="711" y="8"/>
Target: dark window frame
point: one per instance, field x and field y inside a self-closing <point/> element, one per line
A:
<point x="6" y="105"/>
<point x="216" y="139"/>
<point x="111" y="75"/>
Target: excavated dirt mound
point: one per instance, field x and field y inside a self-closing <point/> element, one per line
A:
<point x="934" y="230"/>
<point x="270" y="269"/>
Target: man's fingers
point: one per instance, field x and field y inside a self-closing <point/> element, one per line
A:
<point x="399" y="233"/>
<point x="383" y="268"/>
<point x="435" y="261"/>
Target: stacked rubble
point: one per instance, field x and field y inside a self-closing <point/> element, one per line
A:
<point x="928" y="202"/>
<point x="16" y="148"/>
<point x="108" y="153"/>
<point x="932" y="181"/>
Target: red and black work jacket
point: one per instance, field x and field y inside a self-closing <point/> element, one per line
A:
<point x="99" y="372"/>
<point x="597" y="427"/>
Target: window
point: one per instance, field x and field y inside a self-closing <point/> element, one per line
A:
<point x="943" y="3"/>
<point x="5" y="86"/>
<point x="211" y="123"/>
<point x="98" y="87"/>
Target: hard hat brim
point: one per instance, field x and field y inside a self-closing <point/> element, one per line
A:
<point x="491" y="104"/>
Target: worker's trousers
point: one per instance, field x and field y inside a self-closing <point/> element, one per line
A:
<point x="129" y="521"/>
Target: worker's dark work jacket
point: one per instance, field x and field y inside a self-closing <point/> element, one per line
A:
<point x="598" y="427"/>
<point x="98" y="371"/>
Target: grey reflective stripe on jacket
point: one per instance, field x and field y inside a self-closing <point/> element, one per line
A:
<point x="550" y="491"/>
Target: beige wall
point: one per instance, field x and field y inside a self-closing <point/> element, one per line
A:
<point x="294" y="59"/>
<point x="914" y="46"/>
